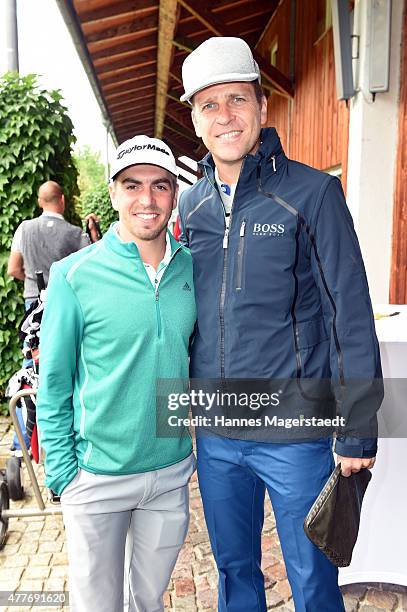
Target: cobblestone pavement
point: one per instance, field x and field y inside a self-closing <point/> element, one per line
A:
<point x="34" y="559"/>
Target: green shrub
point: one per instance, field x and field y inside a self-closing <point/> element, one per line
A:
<point x="90" y="168"/>
<point x="36" y="136"/>
<point x="97" y="200"/>
<point x="94" y="194"/>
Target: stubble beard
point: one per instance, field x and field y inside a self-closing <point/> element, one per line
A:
<point x="147" y="234"/>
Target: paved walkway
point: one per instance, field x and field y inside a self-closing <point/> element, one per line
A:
<point x="34" y="558"/>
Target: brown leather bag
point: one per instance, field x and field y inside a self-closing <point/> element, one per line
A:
<point x="332" y="524"/>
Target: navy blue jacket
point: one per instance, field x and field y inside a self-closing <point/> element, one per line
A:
<point x="283" y="292"/>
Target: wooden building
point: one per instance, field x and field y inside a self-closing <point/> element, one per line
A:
<point x="133" y="51"/>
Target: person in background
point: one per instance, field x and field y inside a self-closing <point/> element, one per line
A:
<point x="38" y="242"/>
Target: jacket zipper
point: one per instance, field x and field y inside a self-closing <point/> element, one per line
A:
<point x="157" y="294"/>
<point x="294" y="303"/>
<point x="157" y="310"/>
<point x="224" y="276"/>
<point x="240" y="253"/>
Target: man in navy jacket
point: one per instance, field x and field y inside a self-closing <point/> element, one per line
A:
<point x="281" y="295"/>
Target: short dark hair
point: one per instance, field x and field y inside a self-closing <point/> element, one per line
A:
<point x="258" y="91"/>
<point x="174" y="182"/>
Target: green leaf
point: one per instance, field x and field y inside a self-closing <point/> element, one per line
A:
<point x="36" y="135"/>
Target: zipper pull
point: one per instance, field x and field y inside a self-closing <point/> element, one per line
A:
<point x="226" y="238"/>
<point x="156" y="294"/>
<point x="242" y="229"/>
<point x="274" y="162"/>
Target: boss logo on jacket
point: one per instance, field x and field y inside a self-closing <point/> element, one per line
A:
<point x="268" y="229"/>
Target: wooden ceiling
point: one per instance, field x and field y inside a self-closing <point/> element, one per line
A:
<point x="133" y="51"/>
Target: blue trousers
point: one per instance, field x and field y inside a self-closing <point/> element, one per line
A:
<point x="233" y="477"/>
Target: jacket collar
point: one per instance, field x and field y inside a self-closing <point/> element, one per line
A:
<point x="270" y="152"/>
<point x="129" y="249"/>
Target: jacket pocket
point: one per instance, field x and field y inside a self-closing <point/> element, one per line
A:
<point x="310" y="333"/>
<point x="72" y="483"/>
<point x="240" y="255"/>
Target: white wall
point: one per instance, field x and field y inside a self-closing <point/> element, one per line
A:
<point x="373" y="132"/>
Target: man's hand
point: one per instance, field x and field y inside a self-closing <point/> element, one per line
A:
<point x="350" y="465"/>
<point x="91" y="218"/>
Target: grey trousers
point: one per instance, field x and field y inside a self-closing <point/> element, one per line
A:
<point x="150" y="511"/>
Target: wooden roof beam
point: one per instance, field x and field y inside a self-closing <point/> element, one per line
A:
<point x="129" y="103"/>
<point x="113" y="10"/>
<point x="273" y="7"/>
<point x="135" y="118"/>
<point x="184" y="44"/>
<point x="236" y="12"/>
<point x="135" y="128"/>
<point x="177" y="148"/>
<point x="125" y="74"/>
<point x="137" y="125"/>
<point x="116" y="21"/>
<point x="125" y="86"/>
<point x="132" y="129"/>
<point x="167" y="20"/>
<point x="184" y="180"/>
<point x="186" y="168"/>
<point x="134" y="113"/>
<point x="176" y="77"/>
<point x="179" y="120"/>
<point x="126" y="134"/>
<point x="127" y="60"/>
<point x="137" y="24"/>
<point x="180" y="131"/>
<point x="218" y="27"/>
<point x="172" y="95"/>
<point x="119" y="93"/>
<point x="142" y="41"/>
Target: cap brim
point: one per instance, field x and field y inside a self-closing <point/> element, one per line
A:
<point x="113" y="176"/>
<point x="218" y="80"/>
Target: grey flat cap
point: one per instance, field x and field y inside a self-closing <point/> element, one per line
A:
<point x="218" y="60"/>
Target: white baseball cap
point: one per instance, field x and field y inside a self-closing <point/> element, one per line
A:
<point x="218" y="60"/>
<point x="143" y="150"/>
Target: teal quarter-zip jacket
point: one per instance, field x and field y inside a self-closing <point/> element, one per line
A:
<point x="107" y="336"/>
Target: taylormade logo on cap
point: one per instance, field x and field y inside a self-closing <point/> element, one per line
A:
<point x="218" y="60"/>
<point x="143" y="150"/>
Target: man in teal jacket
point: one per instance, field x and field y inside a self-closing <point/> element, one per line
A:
<point x="119" y="316"/>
